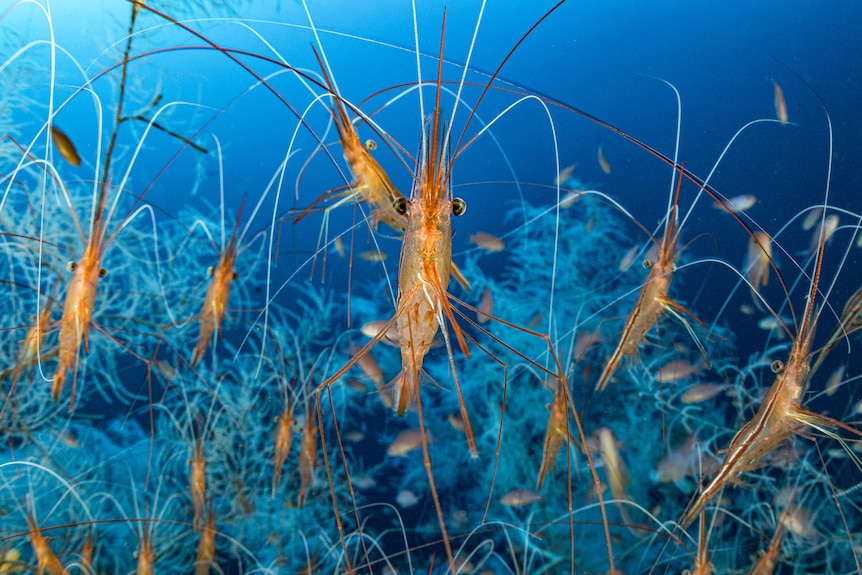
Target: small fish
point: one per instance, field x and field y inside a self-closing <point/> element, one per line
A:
<point x="737" y="204"/>
<point x="677" y="464"/>
<point x="354" y="436"/>
<point x="456" y="421"/>
<point x="407" y="440"/>
<point x="590" y="225"/>
<point x="363" y="481"/>
<point x="356" y="385"/>
<point x="780" y="104"/>
<point x="757" y="263"/>
<point x="629" y="259"/>
<point x="339" y="246"/>
<point x="828" y="226"/>
<point x="564" y="175"/>
<point x="834" y="381"/>
<point x="812" y="218"/>
<point x="372" y="256"/>
<point x="585" y="340"/>
<point x="677" y="370"/>
<point x="486" y="307"/>
<point x="746" y="309"/>
<point x="487" y="241"/>
<point x="570" y="198"/>
<point x="372" y="328"/>
<point x="520" y="498"/>
<point x="65" y="146"/>
<point x="406" y="499"/>
<point x="702" y="392"/>
<point x="603" y="162"/>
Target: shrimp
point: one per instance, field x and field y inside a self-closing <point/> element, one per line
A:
<point x="46" y="559"/>
<point x="371" y="184"/>
<point x="779" y="416"/>
<point x="653" y="300"/>
<point x="556" y="433"/>
<point x="80" y="301"/>
<point x="307" y="454"/>
<point x="198" y="481"/>
<point x="283" y="441"/>
<point x="205" y="559"/>
<point x="218" y="293"/>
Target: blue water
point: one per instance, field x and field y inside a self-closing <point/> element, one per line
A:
<point x="243" y="108"/>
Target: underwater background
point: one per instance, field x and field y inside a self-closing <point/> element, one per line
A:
<point x="218" y="398"/>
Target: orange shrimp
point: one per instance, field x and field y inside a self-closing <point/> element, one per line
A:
<point x="198" y="481"/>
<point x="218" y="293"/>
<point x="80" y="301"/>
<point x="307" y="454"/>
<point x="205" y="559"/>
<point x="653" y="300"/>
<point x="779" y="415"/>
<point x="283" y="441"/>
<point x="146" y="555"/>
<point x="46" y="559"/>
<point x="557" y="431"/>
<point x="371" y="184"/>
<point x="767" y="562"/>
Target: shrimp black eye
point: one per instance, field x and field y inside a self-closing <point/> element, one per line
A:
<point x="71" y="266"/>
<point x="459" y="207"/>
<point x="102" y="272"/>
<point x="210" y="270"/>
<point x="777" y="366"/>
<point x="647" y="264"/>
<point x="400" y="206"/>
<point x="235" y="275"/>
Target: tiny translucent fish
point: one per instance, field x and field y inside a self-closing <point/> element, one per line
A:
<point x="406" y="498"/>
<point x="603" y="162"/>
<point x="456" y="421"/>
<point x="585" y="340"/>
<point x="834" y="381"/>
<point x="65" y="146"/>
<point x="702" y="392"/>
<point x="772" y="323"/>
<point x="372" y="256"/>
<point x="564" y="175"/>
<point x="407" y="440"/>
<point x="520" y="498"/>
<point x="757" y="263"/>
<point x="676" y="370"/>
<point x="487" y="241"/>
<point x="746" y="309"/>
<point x="339" y="246"/>
<point x="828" y="226"/>
<point x="570" y="198"/>
<point x="812" y="218"/>
<point x="372" y="328"/>
<point x="738" y="204"/>
<point x="677" y="463"/>
<point x="629" y="259"/>
<point x="354" y="436"/>
<point x="362" y="481"/>
<point x="590" y="225"/>
<point x="486" y="307"/>
<point x="780" y="104"/>
<point x="356" y="385"/>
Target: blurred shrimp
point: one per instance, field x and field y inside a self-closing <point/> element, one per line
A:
<point x="46" y="559"/>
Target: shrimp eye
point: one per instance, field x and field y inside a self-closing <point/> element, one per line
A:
<point x="71" y="266"/>
<point x="647" y="264"/>
<point x="210" y="270"/>
<point x="370" y="145"/>
<point x="235" y="275"/>
<point x="459" y="207"/>
<point x="400" y="206"/>
<point x="777" y="366"/>
<point x="102" y="272"/>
